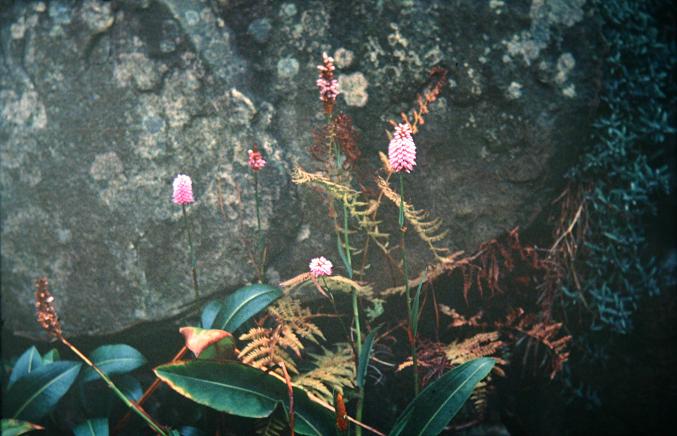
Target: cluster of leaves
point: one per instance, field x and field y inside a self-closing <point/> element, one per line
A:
<point x="622" y="171"/>
<point x="37" y="383"/>
<point x="250" y="387"/>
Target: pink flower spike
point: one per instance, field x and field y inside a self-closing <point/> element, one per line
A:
<point x="256" y="161"/>
<point x="320" y="266"/>
<point x="326" y="82"/>
<point x="402" y="150"/>
<point x="183" y="190"/>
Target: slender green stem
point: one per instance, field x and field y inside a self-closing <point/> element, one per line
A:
<point x="405" y="266"/>
<point x="356" y="311"/>
<point x="129" y="403"/>
<point x="346" y="240"/>
<point x="193" y="262"/>
<point x="358" y="337"/>
<point x="259" y="245"/>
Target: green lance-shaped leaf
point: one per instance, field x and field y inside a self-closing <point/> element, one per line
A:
<point x="344" y="258"/>
<point x="92" y="427"/>
<point x="113" y="359"/>
<point x="364" y="358"/>
<point x="241" y="390"/>
<point x="416" y="305"/>
<point x="14" y="427"/>
<point x="209" y="313"/>
<point x="244" y="303"/>
<point x="35" y="394"/>
<point x="51" y="356"/>
<point x="441" y="400"/>
<point x="29" y="361"/>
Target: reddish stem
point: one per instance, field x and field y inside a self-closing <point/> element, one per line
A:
<point x="156" y="383"/>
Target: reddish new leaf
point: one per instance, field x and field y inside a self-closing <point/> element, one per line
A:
<point x="198" y="340"/>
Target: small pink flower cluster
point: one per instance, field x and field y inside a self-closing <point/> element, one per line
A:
<point x="402" y="150"/>
<point x="183" y="190"/>
<point x="320" y="266"/>
<point x="256" y="161"/>
<point x="326" y="83"/>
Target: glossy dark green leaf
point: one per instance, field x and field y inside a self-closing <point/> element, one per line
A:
<point x="14" y="427"/>
<point x="113" y="359"/>
<point x="241" y="390"/>
<point x="34" y="395"/>
<point x="363" y="363"/>
<point x="29" y="361"/>
<point x="244" y="303"/>
<point x="51" y="356"/>
<point x="98" y="400"/>
<point x="187" y="430"/>
<point x="92" y="427"/>
<point x="441" y="400"/>
<point x="209" y="313"/>
<point x="129" y="386"/>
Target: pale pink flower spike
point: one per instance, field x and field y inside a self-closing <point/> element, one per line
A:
<point x="402" y="150"/>
<point x="183" y="190"/>
<point x="320" y="266"/>
<point x="256" y="161"/>
<point x="326" y="82"/>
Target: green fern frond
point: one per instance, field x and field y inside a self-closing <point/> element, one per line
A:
<point x="336" y="283"/>
<point x="346" y="285"/>
<point x="334" y="370"/>
<point x="427" y="229"/>
<point x="362" y="211"/>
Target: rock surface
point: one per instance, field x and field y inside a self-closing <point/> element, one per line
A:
<point x="103" y="103"/>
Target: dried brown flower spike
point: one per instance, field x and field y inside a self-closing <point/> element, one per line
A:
<point x="44" y="304"/>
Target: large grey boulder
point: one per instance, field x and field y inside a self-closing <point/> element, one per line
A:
<point x="103" y="103"/>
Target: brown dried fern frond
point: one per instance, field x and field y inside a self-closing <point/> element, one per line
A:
<point x="346" y="135"/>
<point x="458" y="320"/>
<point x="480" y="345"/>
<point x="431" y="273"/>
<point x="570" y="230"/>
<point x="268" y="348"/>
<point x="438" y="77"/>
<point x="334" y="283"/>
<point x="480" y="396"/>
<point x="334" y="370"/>
<point x="428" y="229"/>
<point x="432" y="361"/>
<point x="549" y="336"/>
<point x="289" y="312"/>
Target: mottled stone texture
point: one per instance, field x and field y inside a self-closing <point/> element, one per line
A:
<point x="103" y="103"/>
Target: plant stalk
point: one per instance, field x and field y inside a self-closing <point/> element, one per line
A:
<point x="129" y="403"/>
<point x="259" y="246"/>
<point x="356" y="311"/>
<point x="193" y="261"/>
<point x="412" y="338"/>
<point x="156" y="383"/>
